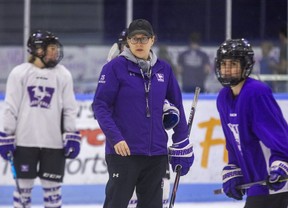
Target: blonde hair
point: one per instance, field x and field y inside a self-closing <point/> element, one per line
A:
<point x="31" y="59"/>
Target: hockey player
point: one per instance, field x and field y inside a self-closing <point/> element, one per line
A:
<point x="128" y="105"/>
<point x="170" y="120"/>
<point x="255" y="130"/>
<point x="118" y="47"/>
<point x="39" y="126"/>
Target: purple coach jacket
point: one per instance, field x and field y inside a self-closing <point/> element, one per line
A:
<point x="119" y="106"/>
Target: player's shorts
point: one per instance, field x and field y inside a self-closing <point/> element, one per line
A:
<point x="272" y="201"/>
<point x="46" y="163"/>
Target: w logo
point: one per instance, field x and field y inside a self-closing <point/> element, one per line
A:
<point x="40" y="96"/>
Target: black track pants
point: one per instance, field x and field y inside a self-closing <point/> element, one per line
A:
<point x="143" y="172"/>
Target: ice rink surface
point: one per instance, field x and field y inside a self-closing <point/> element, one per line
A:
<point x="176" y="205"/>
<point x="195" y="196"/>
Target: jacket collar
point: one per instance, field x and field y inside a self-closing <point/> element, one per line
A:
<point x="133" y="65"/>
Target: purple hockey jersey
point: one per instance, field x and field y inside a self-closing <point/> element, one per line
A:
<point x="119" y="106"/>
<point x="255" y="130"/>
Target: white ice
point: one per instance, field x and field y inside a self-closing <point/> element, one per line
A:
<point x="176" y="205"/>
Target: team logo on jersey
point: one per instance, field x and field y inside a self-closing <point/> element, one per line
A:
<point x="40" y="96"/>
<point x="235" y="131"/>
<point x="102" y="79"/>
<point x="160" y="77"/>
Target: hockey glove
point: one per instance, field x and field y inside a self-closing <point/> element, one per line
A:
<point x="170" y="117"/>
<point x="232" y="177"/>
<point x="7" y="145"/>
<point x="182" y="154"/>
<point x="278" y="168"/>
<point x="72" y="141"/>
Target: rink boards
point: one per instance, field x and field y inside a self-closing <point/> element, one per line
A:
<point x="86" y="175"/>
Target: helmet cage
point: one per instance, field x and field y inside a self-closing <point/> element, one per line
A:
<point x="235" y="49"/>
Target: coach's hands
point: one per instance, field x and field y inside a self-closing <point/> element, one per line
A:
<point x="121" y="148"/>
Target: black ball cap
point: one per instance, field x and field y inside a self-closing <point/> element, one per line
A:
<point x="140" y="26"/>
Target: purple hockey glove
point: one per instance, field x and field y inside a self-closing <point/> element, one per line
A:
<point x="277" y="169"/>
<point x="182" y="154"/>
<point x="7" y="145"/>
<point x="232" y="177"/>
<point x="72" y="141"/>
<point x="170" y="117"/>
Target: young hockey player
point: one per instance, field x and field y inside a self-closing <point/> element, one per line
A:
<point x="39" y="126"/>
<point x="128" y="105"/>
<point x="118" y="47"/>
<point x="255" y="130"/>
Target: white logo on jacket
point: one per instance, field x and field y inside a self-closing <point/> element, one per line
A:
<point x="160" y="77"/>
<point x="102" y="79"/>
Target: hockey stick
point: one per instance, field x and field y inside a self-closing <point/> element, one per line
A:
<point x="249" y="185"/>
<point x="179" y="167"/>
<point x="193" y="109"/>
<point x="175" y="186"/>
<point x="13" y="170"/>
